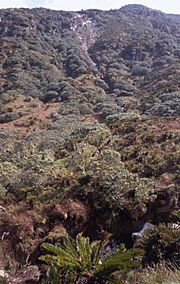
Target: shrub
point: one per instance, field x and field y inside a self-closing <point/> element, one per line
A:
<point x="167" y="104"/>
<point x="49" y="96"/>
<point x="139" y="70"/>
<point x="162" y="244"/>
<point x="113" y="188"/>
<point x="9" y="116"/>
<point x="102" y="84"/>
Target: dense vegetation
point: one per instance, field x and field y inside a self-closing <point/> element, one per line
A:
<point x="89" y="146"/>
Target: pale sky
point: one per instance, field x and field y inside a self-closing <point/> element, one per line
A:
<point x="167" y="6"/>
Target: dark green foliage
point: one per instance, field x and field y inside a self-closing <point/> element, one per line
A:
<point x="77" y="258"/>
<point x="164" y="105"/>
<point x="122" y="261"/>
<point x="85" y="258"/>
<point x="8" y="117"/>
<point x="162" y="244"/>
<point x="116" y="185"/>
<point x="139" y="70"/>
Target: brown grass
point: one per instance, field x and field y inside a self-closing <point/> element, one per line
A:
<point x="159" y="274"/>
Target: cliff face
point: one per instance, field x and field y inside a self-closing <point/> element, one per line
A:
<point x="89" y="123"/>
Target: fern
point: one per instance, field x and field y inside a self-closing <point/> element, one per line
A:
<point x="54" y="276"/>
<point x="82" y="257"/>
<point x="84" y="250"/>
<point x="63" y="257"/>
<point x="176" y="214"/>
<point x="122" y="260"/>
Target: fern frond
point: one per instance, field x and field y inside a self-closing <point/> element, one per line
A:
<point x="96" y="252"/>
<point x="49" y="259"/>
<point x="64" y="259"/>
<point x="54" y="249"/>
<point x="84" y="250"/>
<point x="70" y="247"/>
<point x="122" y="260"/>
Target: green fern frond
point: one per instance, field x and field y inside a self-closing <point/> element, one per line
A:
<point x="84" y="250"/>
<point x="70" y="247"/>
<point x="49" y="259"/>
<point x="54" y="249"/>
<point x="176" y="213"/>
<point x="98" y="247"/>
<point x="81" y="256"/>
<point x="54" y="276"/>
<point x="63" y="258"/>
<point x="96" y="252"/>
<point x="122" y="260"/>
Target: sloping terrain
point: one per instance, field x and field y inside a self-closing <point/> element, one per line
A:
<point x="89" y="125"/>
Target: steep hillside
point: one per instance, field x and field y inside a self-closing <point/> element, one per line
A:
<point x="89" y="126"/>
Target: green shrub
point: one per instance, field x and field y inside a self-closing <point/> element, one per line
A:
<point x="162" y="244"/>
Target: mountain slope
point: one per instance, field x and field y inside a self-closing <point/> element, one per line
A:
<point x="89" y="124"/>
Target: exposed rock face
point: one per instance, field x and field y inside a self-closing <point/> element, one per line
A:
<point x="89" y="125"/>
<point x="147" y="226"/>
<point x="86" y="29"/>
